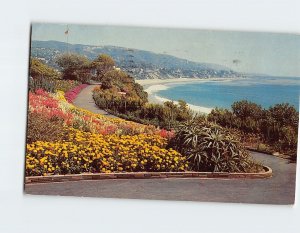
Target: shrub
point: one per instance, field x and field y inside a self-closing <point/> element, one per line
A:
<point x="244" y="109"/>
<point x="116" y="102"/>
<point x="42" y="76"/>
<point x="134" y="108"/>
<point x="38" y="69"/>
<point x="41" y="83"/>
<point x="51" y="85"/>
<point x="276" y="127"/>
<point x="211" y="148"/>
<point x="66" y="85"/>
<point x="284" y="114"/>
<point x="263" y="147"/>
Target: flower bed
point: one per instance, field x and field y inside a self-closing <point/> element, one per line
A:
<point x="87" y="152"/>
<point x="95" y="143"/>
<point x="72" y="94"/>
<point x="55" y="105"/>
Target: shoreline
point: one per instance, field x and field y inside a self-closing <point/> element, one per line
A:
<point x="152" y="86"/>
<point x="149" y="82"/>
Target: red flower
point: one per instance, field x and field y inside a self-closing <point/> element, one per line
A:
<point x="166" y="134"/>
<point x="72" y="94"/>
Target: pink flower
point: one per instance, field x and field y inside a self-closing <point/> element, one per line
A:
<point x="166" y="134"/>
<point x="72" y="94"/>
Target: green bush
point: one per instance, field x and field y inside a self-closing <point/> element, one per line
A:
<point x="223" y="117"/>
<point x="212" y="148"/>
<point x="263" y="148"/>
<point x="38" y="69"/>
<point x="277" y="126"/>
<point x="244" y="109"/>
<point x="45" y="77"/>
<point x="66" y="85"/>
<point x="51" y="85"/>
<point x="41" y="83"/>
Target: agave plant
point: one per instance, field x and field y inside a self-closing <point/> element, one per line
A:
<point x="210" y="147"/>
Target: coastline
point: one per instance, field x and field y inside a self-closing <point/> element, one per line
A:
<point x="149" y="82"/>
<point x="152" y="86"/>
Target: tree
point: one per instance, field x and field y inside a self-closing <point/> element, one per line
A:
<point x="74" y="67"/>
<point x="102" y="64"/>
<point x="284" y="114"/>
<point x="222" y="117"/>
<point x="244" y="109"/>
<point x="280" y="126"/>
<point x="140" y="92"/>
<point x="152" y="111"/>
<point x="109" y="79"/>
<point x="184" y="113"/>
<point x="40" y="70"/>
<point x="118" y="79"/>
<point x="170" y="109"/>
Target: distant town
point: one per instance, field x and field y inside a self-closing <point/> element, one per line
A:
<point x="138" y="63"/>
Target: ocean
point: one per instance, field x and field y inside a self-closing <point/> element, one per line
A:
<point x="203" y="96"/>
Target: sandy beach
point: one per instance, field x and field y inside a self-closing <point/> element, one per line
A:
<point x="152" y="86"/>
<point x="148" y="82"/>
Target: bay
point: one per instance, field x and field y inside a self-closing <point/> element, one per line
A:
<point x="265" y="91"/>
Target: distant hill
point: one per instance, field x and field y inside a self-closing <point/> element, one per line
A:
<point x="139" y="63"/>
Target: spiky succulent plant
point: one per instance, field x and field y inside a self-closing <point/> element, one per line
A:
<point x="210" y="147"/>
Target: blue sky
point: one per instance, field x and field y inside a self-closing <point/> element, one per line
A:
<point x="254" y="52"/>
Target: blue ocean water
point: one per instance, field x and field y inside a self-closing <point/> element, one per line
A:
<point x="265" y="91"/>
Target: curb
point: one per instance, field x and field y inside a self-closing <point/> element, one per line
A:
<point x="148" y="175"/>
<point x="282" y="156"/>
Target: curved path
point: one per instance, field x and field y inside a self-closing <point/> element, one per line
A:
<point x="280" y="189"/>
<point x="85" y="100"/>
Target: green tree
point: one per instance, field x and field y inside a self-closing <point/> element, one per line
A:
<point x="140" y="92"/>
<point x="152" y="111"/>
<point x="74" y="67"/>
<point x="222" y="117"/>
<point x="184" y="113"/>
<point x="280" y="127"/>
<point x="170" y="110"/>
<point x="248" y="115"/>
<point x="102" y="64"/>
<point x="244" y="109"/>
<point x="284" y="114"/>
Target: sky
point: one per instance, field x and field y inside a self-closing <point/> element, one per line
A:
<point x="250" y="52"/>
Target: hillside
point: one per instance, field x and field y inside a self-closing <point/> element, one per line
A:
<point x="139" y="63"/>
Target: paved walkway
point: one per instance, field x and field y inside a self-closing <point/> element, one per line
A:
<point x="85" y="100"/>
<point x="280" y="189"/>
